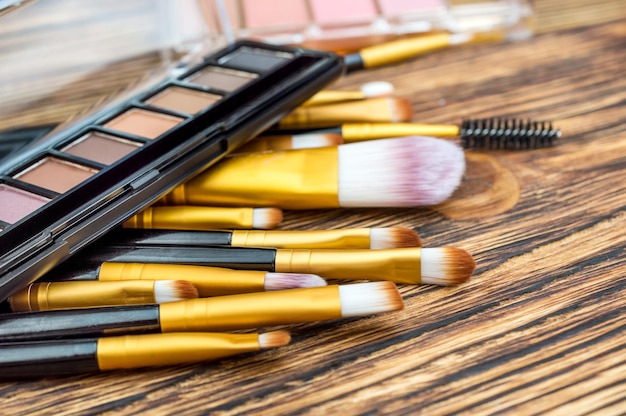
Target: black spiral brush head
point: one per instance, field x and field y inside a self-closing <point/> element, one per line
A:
<point x="492" y="133"/>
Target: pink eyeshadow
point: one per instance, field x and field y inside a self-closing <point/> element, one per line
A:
<point x="279" y="13"/>
<point x="15" y="204"/>
<point x="337" y="11"/>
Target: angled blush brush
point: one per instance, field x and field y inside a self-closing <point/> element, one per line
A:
<point x="402" y="172"/>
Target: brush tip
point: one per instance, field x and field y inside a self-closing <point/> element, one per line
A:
<point x="309" y="141"/>
<point x="173" y="291"/>
<point x="401" y="110"/>
<point x="399" y="172"/>
<point x="369" y="298"/>
<point x="274" y="339"/>
<point x="512" y="134"/>
<point x="266" y="218"/>
<point x="394" y="237"/>
<point x="281" y="281"/>
<point x="377" y="89"/>
<point x="446" y="266"/>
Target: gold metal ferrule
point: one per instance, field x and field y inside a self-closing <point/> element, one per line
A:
<point x="372" y="110"/>
<point x="191" y="218"/>
<point x="251" y="310"/>
<point x="63" y="295"/>
<point x="402" y="49"/>
<point x="209" y="281"/>
<point x="330" y="97"/>
<point x="170" y="349"/>
<point x="400" y="265"/>
<point x="294" y="179"/>
<point x="356" y="238"/>
<point x="354" y="132"/>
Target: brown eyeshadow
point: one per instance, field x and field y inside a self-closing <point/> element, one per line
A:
<point x="101" y="148"/>
<point x="55" y="174"/>
<point x="144" y="123"/>
<point x="222" y="79"/>
<point x="183" y="99"/>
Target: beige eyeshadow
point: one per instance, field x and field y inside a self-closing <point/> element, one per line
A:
<point x="101" y="148"/>
<point x="143" y="123"/>
<point x="55" y="174"/>
<point x="222" y="79"/>
<point x="183" y="99"/>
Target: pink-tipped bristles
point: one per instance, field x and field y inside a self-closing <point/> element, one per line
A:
<point x="369" y="298"/>
<point x="281" y="281"/>
<point x="266" y="218"/>
<point x="274" y="339"/>
<point x="394" y="237"/>
<point x="401" y="110"/>
<point x="400" y="172"/>
<point x="310" y="141"/>
<point x="446" y="266"/>
<point x="173" y="291"/>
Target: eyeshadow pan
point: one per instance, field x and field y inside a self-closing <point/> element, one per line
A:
<point x="101" y="148"/>
<point x="254" y="59"/>
<point x="223" y="79"/>
<point x="144" y="123"/>
<point x="15" y="203"/>
<point x="55" y="174"/>
<point x="183" y="99"/>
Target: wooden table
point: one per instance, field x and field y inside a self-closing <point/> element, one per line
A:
<point x="540" y="327"/>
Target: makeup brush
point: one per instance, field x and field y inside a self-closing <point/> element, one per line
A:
<point x="438" y="266"/>
<point x="220" y="313"/>
<point x="373" y="110"/>
<point x="367" y="90"/>
<point x="63" y="295"/>
<point x="346" y="238"/>
<point x="289" y="142"/>
<point x="205" y="218"/>
<point x="209" y="281"/>
<point x="494" y="133"/>
<point x="52" y="358"/>
<point x="402" y="172"/>
<point x="399" y="50"/>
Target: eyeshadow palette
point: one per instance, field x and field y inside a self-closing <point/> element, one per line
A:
<point x="58" y="197"/>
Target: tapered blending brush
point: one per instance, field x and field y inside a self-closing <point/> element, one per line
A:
<point x="346" y="238"/>
<point x="62" y="295"/>
<point x="205" y="218"/>
<point x="71" y="356"/>
<point x="490" y="133"/>
<point x="439" y="266"/>
<point x="221" y="313"/>
<point x="403" y="172"/>
<point x="374" y="110"/>
<point x="208" y="281"/>
<point x="367" y="90"/>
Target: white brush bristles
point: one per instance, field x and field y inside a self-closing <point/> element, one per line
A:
<point x="369" y="298"/>
<point x="399" y="172"/>
<point x="446" y="266"/>
<point x="266" y="218"/>
<point x="310" y="141"/>
<point x="394" y="237"/>
<point x="377" y="89"/>
<point x="274" y="339"/>
<point x="173" y="291"/>
<point x="281" y="281"/>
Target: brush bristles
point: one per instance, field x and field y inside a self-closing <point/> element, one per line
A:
<point x="400" y="172"/>
<point x="377" y="89"/>
<point x="266" y="218"/>
<point x="274" y="339"/>
<point x="310" y="141"/>
<point x="173" y="291"/>
<point x="446" y="266"/>
<point x="401" y="110"/>
<point x="281" y="281"/>
<point x="507" y="134"/>
<point x="395" y="237"/>
<point x="369" y="298"/>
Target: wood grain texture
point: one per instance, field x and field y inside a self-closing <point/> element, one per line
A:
<point x="540" y="327"/>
